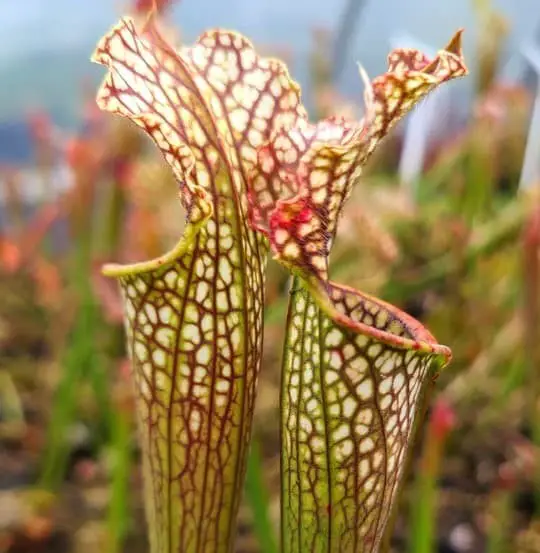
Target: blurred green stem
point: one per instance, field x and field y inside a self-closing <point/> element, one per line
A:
<point x="424" y="507"/>
<point x="78" y="358"/>
<point x="111" y="217"/>
<point x="258" y="499"/>
<point x="118" y="516"/>
<point x="501" y="511"/>
<point x="108" y="243"/>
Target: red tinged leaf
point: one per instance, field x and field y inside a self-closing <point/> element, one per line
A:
<point x="311" y="168"/>
<point x="194" y="315"/>
<point x="355" y="369"/>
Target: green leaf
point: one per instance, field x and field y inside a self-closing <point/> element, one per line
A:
<point x="349" y="405"/>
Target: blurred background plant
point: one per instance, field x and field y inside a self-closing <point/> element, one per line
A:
<point x="461" y="253"/>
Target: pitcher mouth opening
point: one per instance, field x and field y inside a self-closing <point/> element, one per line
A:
<point x="370" y="316"/>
